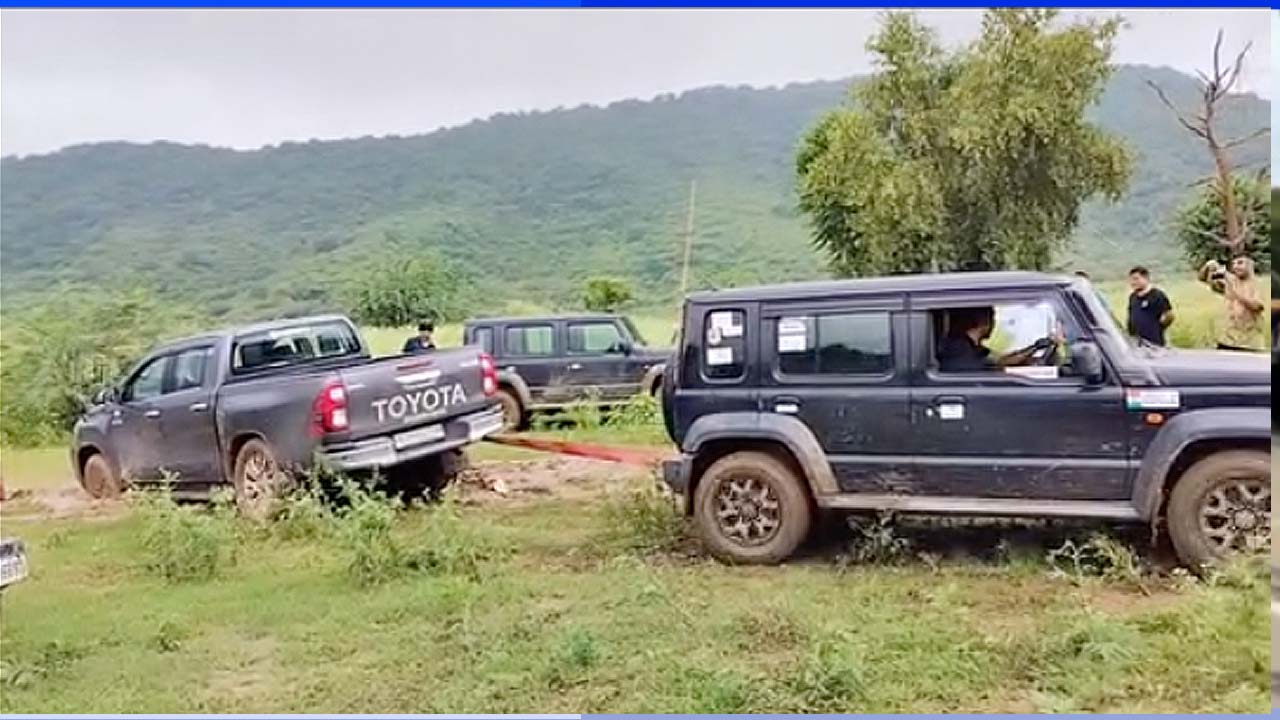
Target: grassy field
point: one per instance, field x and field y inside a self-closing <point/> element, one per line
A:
<point x="559" y="605"/>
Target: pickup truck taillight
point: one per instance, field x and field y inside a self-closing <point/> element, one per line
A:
<point x="329" y="410"/>
<point x="488" y="375"/>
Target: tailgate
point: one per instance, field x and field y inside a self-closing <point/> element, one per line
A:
<point x="394" y="394"/>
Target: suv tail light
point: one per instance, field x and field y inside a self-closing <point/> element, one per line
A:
<point x="488" y="375"/>
<point x="329" y="410"/>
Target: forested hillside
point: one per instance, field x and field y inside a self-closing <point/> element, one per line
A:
<point x="530" y="204"/>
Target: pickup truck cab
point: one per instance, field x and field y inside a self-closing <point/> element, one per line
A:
<point x="547" y="363"/>
<point x="843" y="396"/>
<point x="251" y="406"/>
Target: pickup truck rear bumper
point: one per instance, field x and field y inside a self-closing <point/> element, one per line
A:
<point x="384" y="452"/>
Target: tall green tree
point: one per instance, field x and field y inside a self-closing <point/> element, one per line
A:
<point x="975" y="159"/>
<point x="397" y="291"/>
<point x="606" y="294"/>
<point x="1202" y="224"/>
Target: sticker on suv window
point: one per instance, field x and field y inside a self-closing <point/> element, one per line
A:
<point x="727" y="323"/>
<point x="793" y="335"/>
<point x="719" y="356"/>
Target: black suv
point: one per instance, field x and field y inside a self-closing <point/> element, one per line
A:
<point x="986" y="394"/>
<point x="546" y="363"/>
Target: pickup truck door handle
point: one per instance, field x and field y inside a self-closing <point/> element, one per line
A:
<point x="198" y="407"/>
<point x="786" y="405"/>
<point x="153" y="414"/>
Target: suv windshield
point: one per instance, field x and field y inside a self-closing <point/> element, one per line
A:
<point x="293" y="346"/>
<point x="1102" y="315"/>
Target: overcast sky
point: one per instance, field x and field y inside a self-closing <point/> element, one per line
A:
<point x="249" y="78"/>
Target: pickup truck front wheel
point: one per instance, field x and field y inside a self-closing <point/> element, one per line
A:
<point x="100" y="479"/>
<point x="751" y="508"/>
<point x="259" y="482"/>
<point x="1221" y="507"/>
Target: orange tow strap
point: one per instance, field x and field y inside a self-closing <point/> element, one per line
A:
<point x="624" y="455"/>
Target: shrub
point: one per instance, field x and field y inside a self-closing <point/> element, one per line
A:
<point x="876" y="541"/>
<point x="644" y="521"/>
<point x="184" y="544"/>
<point x="1100" y="556"/>
<point x="364" y="528"/>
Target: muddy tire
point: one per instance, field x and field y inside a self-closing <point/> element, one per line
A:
<point x="1221" y="507"/>
<point x="513" y="415"/>
<point x="752" y="508"/>
<point x="259" y="481"/>
<point x="100" y="479"/>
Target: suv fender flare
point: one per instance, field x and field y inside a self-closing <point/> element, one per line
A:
<point x="789" y="431"/>
<point x="512" y="378"/>
<point x="1181" y="432"/>
<point x="652" y="377"/>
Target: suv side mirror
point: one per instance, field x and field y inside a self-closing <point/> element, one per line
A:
<point x="1086" y="358"/>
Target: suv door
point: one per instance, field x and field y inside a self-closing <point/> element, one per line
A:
<point x="842" y="367"/>
<point x="186" y="417"/>
<point x="1037" y="431"/>
<point x="134" y="429"/>
<point x="530" y="349"/>
<point x="599" y="362"/>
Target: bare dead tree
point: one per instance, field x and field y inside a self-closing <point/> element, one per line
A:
<point x="1214" y="91"/>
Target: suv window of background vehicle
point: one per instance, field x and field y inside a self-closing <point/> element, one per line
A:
<point x="483" y="336"/>
<point x="835" y="344"/>
<point x="529" y="341"/>
<point x="148" y="382"/>
<point x="594" y="338"/>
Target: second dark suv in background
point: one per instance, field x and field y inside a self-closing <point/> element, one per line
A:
<point x="549" y="362"/>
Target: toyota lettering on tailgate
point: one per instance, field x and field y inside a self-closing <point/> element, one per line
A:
<point x="415" y="404"/>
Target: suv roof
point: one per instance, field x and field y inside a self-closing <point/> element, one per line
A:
<point x="893" y="283"/>
<point x="541" y="318"/>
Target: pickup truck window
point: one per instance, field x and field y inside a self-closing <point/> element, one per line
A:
<point x="293" y="346"/>
<point x="594" y="338"/>
<point x="148" y="382"/>
<point x="530" y="341"/>
<point x="836" y="344"/>
<point x="190" y="368"/>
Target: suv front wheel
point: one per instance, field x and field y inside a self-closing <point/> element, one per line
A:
<point x="1220" y="507"/>
<point x="751" y="508"/>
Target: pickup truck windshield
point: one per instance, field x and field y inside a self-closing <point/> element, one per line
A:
<point x="293" y="346"/>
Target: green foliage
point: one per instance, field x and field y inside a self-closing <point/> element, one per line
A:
<point x="53" y="358"/>
<point x="365" y="531"/>
<point x="644" y="521"/>
<point x="529" y="204"/>
<point x="403" y="291"/>
<point x="184" y="543"/>
<point x="606" y="294"/>
<point x="981" y="158"/>
<point x="1201" y="226"/>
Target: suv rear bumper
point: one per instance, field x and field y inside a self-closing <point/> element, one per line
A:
<point x="382" y="452"/>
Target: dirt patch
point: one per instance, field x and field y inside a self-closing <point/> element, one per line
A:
<point x="561" y="478"/>
<point x="254" y="674"/>
<point x="58" y="503"/>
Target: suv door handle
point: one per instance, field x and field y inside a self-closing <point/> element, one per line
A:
<point x="153" y="414"/>
<point x="575" y="366"/>
<point x="786" y="405"/>
<point x="946" y="407"/>
<point x="199" y="406"/>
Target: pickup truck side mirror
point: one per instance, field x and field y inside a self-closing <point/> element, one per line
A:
<point x="625" y="347"/>
<point x="1086" y="359"/>
<point x="105" y="395"/>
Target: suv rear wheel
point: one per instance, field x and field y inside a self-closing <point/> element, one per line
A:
<point x="751" y="508"/>
<point x="512" y="411"/>
<point x="1220" y="507"/>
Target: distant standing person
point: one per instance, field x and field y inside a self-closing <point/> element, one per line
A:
<point x="1241" y="327"/>
<point x="423" y="341"/>
<point x="1150" y="312"/>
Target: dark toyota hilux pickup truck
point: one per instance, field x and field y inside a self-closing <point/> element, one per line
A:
<point x="250" y="407"/>
<point x="988" y="394"/>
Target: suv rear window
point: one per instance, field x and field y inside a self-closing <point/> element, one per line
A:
<point x="293" y="346"/>
<point x="724" y="346"/>
<point x="836" y="344"/>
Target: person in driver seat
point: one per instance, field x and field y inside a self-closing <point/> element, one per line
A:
<point x="962" y="350"/>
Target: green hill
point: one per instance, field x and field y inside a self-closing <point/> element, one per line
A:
<point x="529" y="203"/>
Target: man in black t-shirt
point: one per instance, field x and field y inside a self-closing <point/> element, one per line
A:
<point x="1150" y="312"/>
<point x="423" y="341"/>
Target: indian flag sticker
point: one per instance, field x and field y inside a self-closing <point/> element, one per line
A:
<point x="1152" y="399"/>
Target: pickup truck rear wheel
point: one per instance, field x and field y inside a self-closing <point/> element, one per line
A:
<point x="259" y="481"/>
<point x="513" y="416"/>
<point x="1221" y="507"/>
<point x="100" y="479"/>
<point x="751" y="508"/>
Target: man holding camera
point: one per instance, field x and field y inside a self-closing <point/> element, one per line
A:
<point x="1241" y="327"/>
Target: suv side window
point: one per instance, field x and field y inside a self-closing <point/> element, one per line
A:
<point x="147" y="383"/>
<point x="724" y="344"/>
<point x="858" y="343"/>
<point x="594" y="338"/>
<point x="530" y="341"/>
<point x="1013" y="325"/>
<point x="189" y="368"/>
<point x="483" y="336"/>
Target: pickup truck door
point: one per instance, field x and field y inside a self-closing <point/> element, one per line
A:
<point x="1033" y="432"/>
<point x="133" y="429"/>
<point x="598" y="362"/>
<point x="190" y="447"/>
